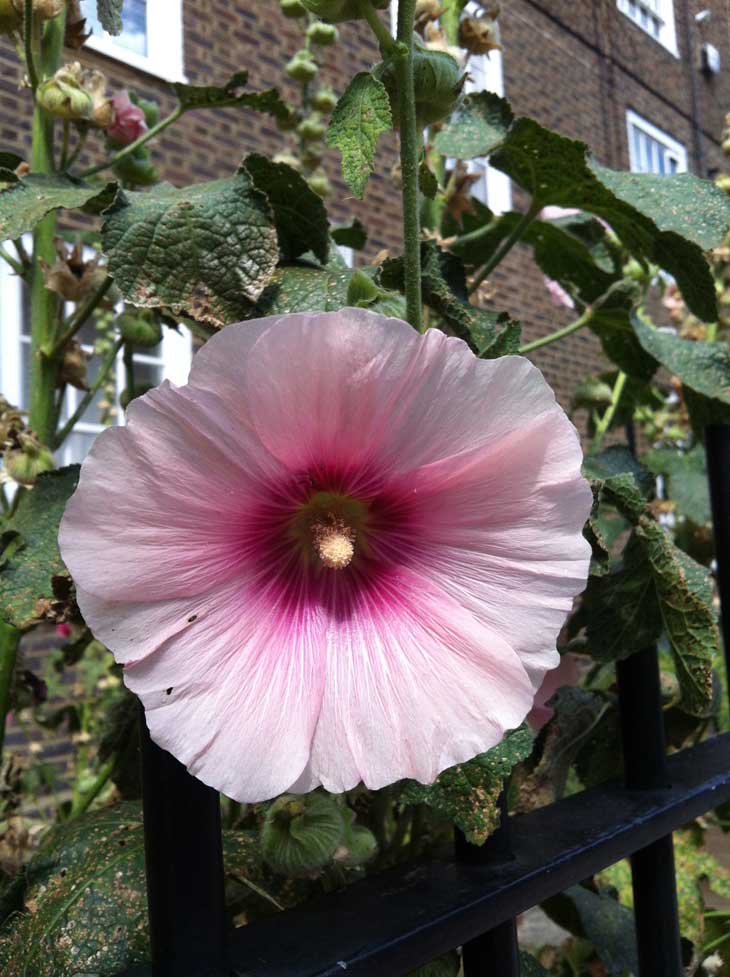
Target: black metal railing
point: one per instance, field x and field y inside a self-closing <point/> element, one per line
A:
<point x="389" y="924"/>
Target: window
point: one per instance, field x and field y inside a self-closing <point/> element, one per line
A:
<point x="493" y="188"/>
<point x="151" y="38"/>
<point x="168" y="361"/>
<point x="656" y="17"/>
<point x="651" y="150"/>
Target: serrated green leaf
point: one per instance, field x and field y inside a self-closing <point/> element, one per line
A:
<point x="468" y="793"/>
<point x="109" y="13"/>
<point x="207" y="250"/>
<point x="351" y="235"/>
<point x="704" y="367"/>
<point x="30" y="537"/>
<point x="605" y="923"/>
<point x="360" y="117"/>
<point x="86" y="900"/>
<point x="299" y="213"/>
<point x="29" y="200"/>
<point x="479" y="126"/>
<point x="228" y="95"/>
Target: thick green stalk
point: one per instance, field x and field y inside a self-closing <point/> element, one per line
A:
<point x="44" y="303"/>
<point x="383" y="35"/>
<point x="9" y="641"/>
<point x="410" y="150"/>
<point x="82" y="800"/>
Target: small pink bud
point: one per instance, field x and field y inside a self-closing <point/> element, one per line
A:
<point x="63" y="630"/>
<point x="558" y="295"/>
<point x="129" y="121"/>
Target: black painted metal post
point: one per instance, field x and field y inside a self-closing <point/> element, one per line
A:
<point x="717" y="443"/>
<point x="184" y="867"/>
<point x="495" y="953"/>
<point x="645" y="767"/>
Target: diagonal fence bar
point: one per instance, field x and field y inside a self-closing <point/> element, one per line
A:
<point x="184" y="861"/>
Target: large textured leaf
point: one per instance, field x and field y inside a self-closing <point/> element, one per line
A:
<point x="208" y="250"/>
<point x="86" y="903"/>
<point x="109" y="13"/>
<point x="30" y="557"/>
<point x="29" y="200"/>
<point x="230" y="94"/>
<point x="299" y="213"/>
<point x="360" y="117"/>
<point x="468" y="793"/>
<point x="618" y="460"/>
<point x="603" y="921"/>
<point x="704" y="367"/>
<point x="669" y="219"/>
<point x="479" y="127"/>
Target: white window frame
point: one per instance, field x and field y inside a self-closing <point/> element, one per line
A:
<point x="165" y="56"/>
<point x="493" y="188"/>
<point x="670" y="145"/>
<point x="638" y="11"/>
<point x="175" y="359"/>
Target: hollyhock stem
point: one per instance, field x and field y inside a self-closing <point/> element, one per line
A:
<point x="9" y="641"/>
<point x="604" y="423"/>
<point x="501" y="253"/>
<point x="28" y="32"/>
<point x="385" y="38"/>
<point x="410" y="148"/>
<point x="553" y="337"/>
<point x="44" y="303"/>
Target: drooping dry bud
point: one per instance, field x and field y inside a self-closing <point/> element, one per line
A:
<point x="102" y="112"/>
<point x="65" y="96"/>
<point x="75" y="33"/>
<point x="73" y="366"/>
<point x="70" y="275"/>
<point x="426" y="11"/>
<point x="28" y="460"/>
<point x="11" y="424"/>
<point x="478" y="35"/>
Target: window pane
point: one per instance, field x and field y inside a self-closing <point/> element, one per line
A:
<point x="134" y="19"/>
<point x="24" y="375"/>
<point x="147" y="373"/>
<point x="77" y="446"/>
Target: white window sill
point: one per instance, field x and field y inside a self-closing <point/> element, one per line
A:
<point x="668" y="44"/>
<point x="152" y="66"/>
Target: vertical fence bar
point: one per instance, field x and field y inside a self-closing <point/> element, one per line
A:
<point x="645" y="767"/>
<point x="717" y="445"/>
<point x="184" y="860"/>
<point x="495" y="953"/>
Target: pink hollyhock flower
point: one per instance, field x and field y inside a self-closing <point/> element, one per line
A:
<point x="341" y="553"/>
<point x="558" y="295"/>
<point x="129" y="121"/>
<point x="567" y="673"/>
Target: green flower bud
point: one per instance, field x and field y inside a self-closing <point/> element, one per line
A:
<point x="301" y="834"/>
<point x="25" y="463"/>
<point x="320" y="184"/>
<point x="64" y="96"/>
<point x="11" y="18"/>
<point x="361" y="290"/>
<point x="302" y="68"/>
<point x="338" y="10"/>
<point x="288" y="122"/>
<point x="289" y="160"/>
<point x="324" y="100"/>
<point x="323" y="34"/>
<point x="293" y="8"/>
<point x="137" y="170"/>
<point x="438" y="81"/>
<point x="312" y="129"/>
<point x="312" y="156"/>
<point x="137" y="329"/>
<point x="358" y="843"/>
<point x="150" y="108"/>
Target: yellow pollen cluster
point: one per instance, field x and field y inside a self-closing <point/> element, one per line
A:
<point x="334" y="542"/>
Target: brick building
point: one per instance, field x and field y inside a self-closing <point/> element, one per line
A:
<point x="645" y="83"/>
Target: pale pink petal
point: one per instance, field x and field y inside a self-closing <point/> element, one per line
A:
<point x="414" y="685"/>
<point x="160" y="502"/>
<point x="566" y="673"/>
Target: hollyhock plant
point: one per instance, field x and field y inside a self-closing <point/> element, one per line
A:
<point x="341" y="553"/>
<point x="129" y="121"/>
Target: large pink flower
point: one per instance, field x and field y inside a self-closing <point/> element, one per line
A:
<point x="341" y="553"/>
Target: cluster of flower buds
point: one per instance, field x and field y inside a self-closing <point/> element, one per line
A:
<point x="308" y="123"/>
<point x="24" y="457"/>
<point x="77" y="95"/>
